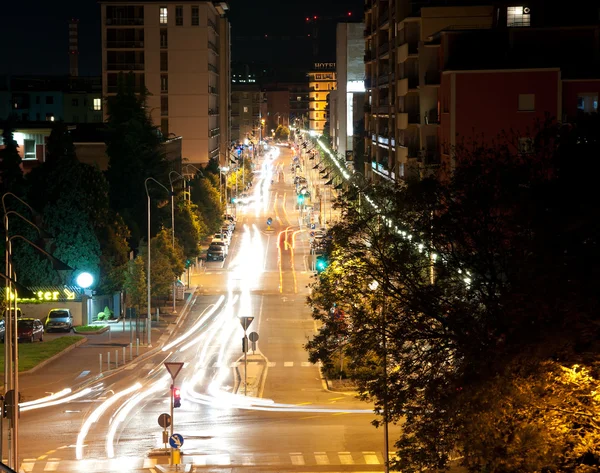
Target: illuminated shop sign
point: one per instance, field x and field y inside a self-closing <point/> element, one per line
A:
<point x="51" y="294"/>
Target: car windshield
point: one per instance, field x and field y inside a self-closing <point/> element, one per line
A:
<point x="215" y="248"/>
<point x="58" y="314"/>
<point x="25" y="323"/>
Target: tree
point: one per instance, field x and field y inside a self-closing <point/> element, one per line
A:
<point x="133" y="145"/>
<point x="189" y="229"/>
<point x="135" y="283"/>
<point x="167" y="263"/>
<point x="11" y="174"/>
<point x="205" y="194"/>
<point x="485" y="303"/>
<point x="282" y="133"/>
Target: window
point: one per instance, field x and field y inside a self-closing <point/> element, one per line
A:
<point x="75" y="118"/>
<point x="164" y="105"/>
<point x="163" y="15"/>
<point x="49" y="117"/>
<point x="245" y="109"/>
<point x="75" y="102"/>
<point x="317" y="96"/>
<point x="587" y="103"/>
<point x="298" y="98"/>
<point x="164" y="61"/>
<point x="195" y="15"/>
<point x="179" y="15"/>
<point x="164" y="83"/>
<point x="49" y="100"/>
<point x="526" y="102"/>
<point x="97" y="104"/>
<point x="164" y="126"/>
<point x="164" y="43"/>
<point x="29" y="149"/>
<point x="518" y="16"/>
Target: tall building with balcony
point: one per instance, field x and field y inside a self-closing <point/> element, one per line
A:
<point x="402" y="77"/>
<point x="321" y="81"/>
<point x="180" y="52"/>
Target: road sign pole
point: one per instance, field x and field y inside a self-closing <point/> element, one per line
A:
<point x="246" y="368"/>
<point x="172" y="387"/>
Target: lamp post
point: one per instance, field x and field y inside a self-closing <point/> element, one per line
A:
<point x="197" y="170"/>
<point x="173" y="228"/>
<point x="386" y="453"/>
<point x="148" y="276"/>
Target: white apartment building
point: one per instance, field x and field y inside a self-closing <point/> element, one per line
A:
<point x="179" y="51"/>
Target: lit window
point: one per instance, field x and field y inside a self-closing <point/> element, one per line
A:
<point x="97" y="104"/>
<point x="587" y="103"/>
<point x="163" y="16"/>
<point x="298" y="98"/>
<point x="518" y="16"/>
<point x="245" y="109"/>
<point x="526" y="102"/>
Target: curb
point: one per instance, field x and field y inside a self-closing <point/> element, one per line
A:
<point x="52" y="358"/>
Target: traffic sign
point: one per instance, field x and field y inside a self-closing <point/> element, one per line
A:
<point x="245" y="322"/>
<point x="312" y="227"/>
<point x="253" y="336"/>
<point x="312" y="234"/>
<point x="173" y="368"/>
<point x="176" y="440"/>
<point x="269" y="221"/>
<point x="164" y="420"/>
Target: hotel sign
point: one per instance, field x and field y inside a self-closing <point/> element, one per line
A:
<point x="324" y="65"/>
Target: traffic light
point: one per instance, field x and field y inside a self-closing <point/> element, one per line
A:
<point x="321" y="263"/>
<point x="176" y="397"/>
<point x="188" y="263"/>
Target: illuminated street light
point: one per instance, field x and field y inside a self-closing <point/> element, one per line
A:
<point x="84" y="280"/>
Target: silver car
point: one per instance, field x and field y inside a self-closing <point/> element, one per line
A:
<point x="59" y="319"/>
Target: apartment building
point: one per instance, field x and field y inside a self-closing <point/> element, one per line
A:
<point x="180" y="52"/>
<point x="321" y="81"/>
<point x="245" y="111"/>
<point x="347" y="101"/>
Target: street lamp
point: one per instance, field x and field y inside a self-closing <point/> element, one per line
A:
<point x="173" y="228"/>
<point x="148" y="316"/>
<point x="373" y="286"/>
<point x="197" y="170"/>
<point x="84" y="280"/>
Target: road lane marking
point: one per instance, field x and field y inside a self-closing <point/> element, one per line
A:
<point x="306" y="364"/>
<point x="271" y="364"/>
<point x="297" y="459"/>
<point x="247" y="460"/>
<point x="321" y="458"/>
<point x="336" y="398"/>
<point x="288" y="364"/>
<point x="346" y="458"/>
<point x="27" y="466"/>
<point x="51" y="466"/>
<point x="371" y="458"/>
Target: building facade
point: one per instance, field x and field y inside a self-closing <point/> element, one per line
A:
<point x="347" y="111"/>
<point x="180" y="52"/>
<point x="245" y="111"/>
<point x="299" y="104"/>
<point x="321" y="81"/>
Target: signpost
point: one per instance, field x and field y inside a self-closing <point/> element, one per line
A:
<point x="164" y="420"/>
<point x="253" y="338"/>
<point x="245" y="321"/>
<point x="173" y="368"/>
<point x="269" y="222"/>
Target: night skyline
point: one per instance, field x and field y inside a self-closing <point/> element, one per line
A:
<point x="42" y="46"/>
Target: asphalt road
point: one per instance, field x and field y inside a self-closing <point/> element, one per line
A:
<point x="296" y="426"/>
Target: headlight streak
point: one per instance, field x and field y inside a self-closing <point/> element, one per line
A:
<point x="126" y="408"/>
<point x="197" y="325"/>
<point x="55" y="402"/>
<point x="95" y="415"/>
<point x="51" y="397"/>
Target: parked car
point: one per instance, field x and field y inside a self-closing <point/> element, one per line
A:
<point x="215" y="253"/>
<point x="30" y="329"/>
<point x="59" y="319"/>
<point x="222" y="244"/>
<point x="222" y="236"/>
<point x="11" y="311"/>
<point x="2" y="330"/>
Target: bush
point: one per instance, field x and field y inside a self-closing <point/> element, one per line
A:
<point x="107" y="314"/>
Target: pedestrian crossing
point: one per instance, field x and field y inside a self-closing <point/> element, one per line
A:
<point x="321" y="459"/>
<point x="275" y="364"/>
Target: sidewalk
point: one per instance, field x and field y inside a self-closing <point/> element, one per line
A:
<point x="81" y="365"/>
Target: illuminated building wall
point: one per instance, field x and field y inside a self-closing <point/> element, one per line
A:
<point x="322" y="80"/>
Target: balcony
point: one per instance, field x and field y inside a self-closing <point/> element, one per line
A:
<point x="384" y="17"/>
<point x="125" y="66"/>
<point x="213" y="112"/>
<point x="383" y="79"/>
<point x="368" y="83"/>
<point x="210" y="23"/>
<point x="124" y="44"/>
<point x="407" y="51"/>
<point x="125" y="21"/>
<point x="404" y="86"/>
<point x="212" y="90"/>
<point x="401" y="154"/>
<point x="431" y="117"/>
<point x="367" y="108"/>
<point x="368" y="56"/>
<point x="402" y="120"/>
<point x="432" y="78"/>
<point x="414" y="118"/>
<point x="384" y="49"/>
<point x="213" y="68"/>
<point x="368" y="31"/>
<point x="213" y="47"/>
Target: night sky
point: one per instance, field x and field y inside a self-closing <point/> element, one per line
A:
<point x="34" y="33"/>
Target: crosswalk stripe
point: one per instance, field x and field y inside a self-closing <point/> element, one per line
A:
<point x="346" y="458"/>
<point x="321" y="458"/>
<point x="27" y="466"/>
<point x="150" y="462"/>
<point x="371" y="458"/>
<point x="297" y="458"/>
<point x="51" y="466"/>
<point x="306" y="364"/>
<point x="288" y="364"/>
<point x="247" y="460"/>
<point x="271" y="364"/>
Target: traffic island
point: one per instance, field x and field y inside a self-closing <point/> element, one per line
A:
<point x="255" y="380"/>
<point x="90" y="329"/>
